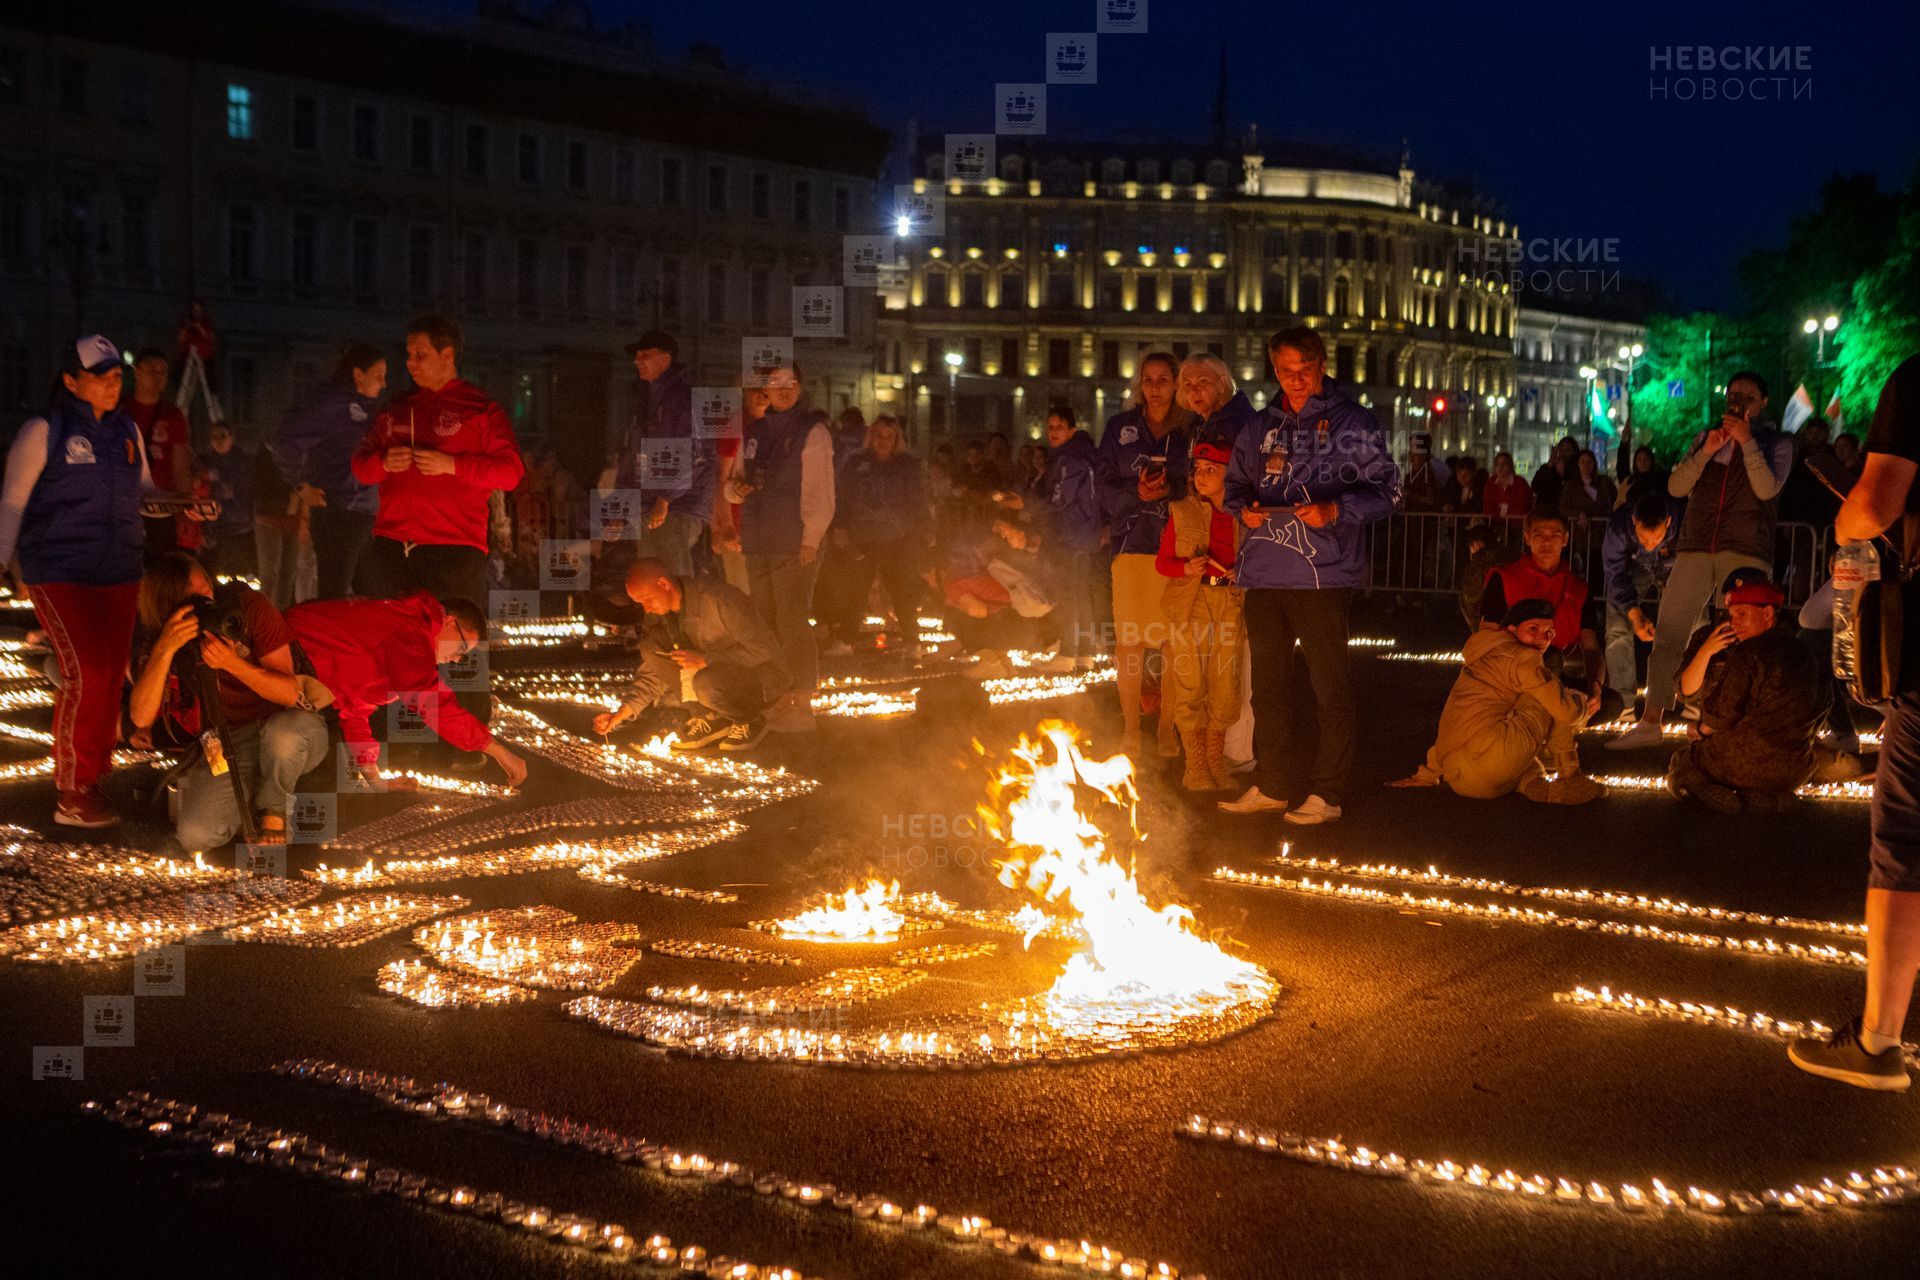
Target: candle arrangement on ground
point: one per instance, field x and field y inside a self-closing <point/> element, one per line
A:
<point x="537" y="946"/>
<point x="42" y="877"/>
<point x="1437" y="657"/>
<point x="120" y="932"/>
<point x="838" y="989"/>
<point x="453" y="1103"/>
<point x="1811" y="953"/>
<point x="1138" y="976"/>
<point x="1854" y="792"/>
<point x="345" y="922"/>
<point x="944" y="953"/>
<point x="1855" y="1190"/>
<point x="541" y="632"/>
<point x="422" y="813"/>
<point x="22" y="770"/>
<point x="601" y="873"/>
<point x="867" y="913"/>
<point x="605" y="852"/>
<point x="1700" y="1013"/>
<point x="690" y="949"/>
<point x="435" y="988"/>
<point x="232" y="1138"/>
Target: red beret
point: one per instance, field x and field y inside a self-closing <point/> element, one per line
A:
<point x="1761" y="593"/>
<point x="1207" y="451"/>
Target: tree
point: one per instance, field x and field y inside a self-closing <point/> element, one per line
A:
<point x="1882" y="327"/>
<point x="1691" y="355"/>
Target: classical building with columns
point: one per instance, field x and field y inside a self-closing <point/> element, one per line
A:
<point x="1571" y="366"/>
<point x="1055" y="268"/>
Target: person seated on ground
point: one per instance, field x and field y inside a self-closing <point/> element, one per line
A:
<point x="369" y="653"/>
<point x="993" y="593"/>
<point x="1205" y="626"/>
<point x="1507" y="716"/>
<point x="1543" y="574"/>
<point x="272" y="734"/>
<point x="704" y="648"/>
<point x="1762" y="699"/>
<point x="1636" y="557"/>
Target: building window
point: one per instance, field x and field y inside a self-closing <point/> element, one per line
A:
<point x="1310" y="296"/>
<point x="1109" y="360"/>
<point x="243" y="224"/>
<point x="1110" y="291"/>
<point x="1060" y="289"/>
<point x="802" y="202"/>
<point x="577" y="279"/>
<point x="762" y="196"/>
<point x="366" y="133"/>
<point x="716" y="293"/>
<point x="973" y="289"/>
<point x="670" y="288"/>
<point x="420" y="144"/>
<point x="479" y="141"/>
<point x="623" y="281"/>
<point x="420" y="263"/>
<point x="473" y="269"/>
<point x="759" y="291"/>
<point x="1009" y="358"/>
<point x="716" y="188"/>
<point x="136" y="97"/>
<point x="136" y="231"/>
<point x="1216" y="293"/>
<point x="13" y="216"/>
<point x="1343" y="245"/>
<point x="527" y="164"/>
<point x="672" y="178"/>
<point x="365" y="257"/>
<point x="623" y="173"/>
<point x="73" y="84"/>
<point x="13" y="71"/>
<point x="239" y="113"/>
<point x="1313" y="245"/>
<point x="936" y="294"/>
<point x="304" y="122"/>
<point x="842" y="209"/>
<point x="526" y="276"/>
<point x="1060" y="357"/>
<point x="303" y="250"/>
<point x="576" y="166"/>
<point x="1342" y="296"/>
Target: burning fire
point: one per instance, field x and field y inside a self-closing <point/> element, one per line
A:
<point x="1140" y="963"/>
<point x="870" y="913"/>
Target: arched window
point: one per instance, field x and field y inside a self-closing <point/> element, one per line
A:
<point x="936" y="287"/>
<point x="1273" y="294"/>
<point x="1342" y="296"/>
<point x="1311" y="297"/>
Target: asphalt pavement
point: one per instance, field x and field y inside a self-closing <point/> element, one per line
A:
<point x="1411" y="1030"/>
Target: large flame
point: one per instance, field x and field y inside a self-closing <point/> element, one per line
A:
<point x="870" y="913"/>
<point x="1140" y="963"/>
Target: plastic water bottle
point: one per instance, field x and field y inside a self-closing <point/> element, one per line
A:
<point x="1855" y="564"/>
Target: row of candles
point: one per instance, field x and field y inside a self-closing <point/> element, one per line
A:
<point x="1614" y="898"/>
<point x="410" y="820"/>
<point x="538" y="946"/>
<point x="1810" y="953"/>
<point x="944" y="953"/>
<point x="435" y="988"/>
<point x="1679" y="729"/>
<point x="345" y="922"/>
<point x="602" y="873"/>
<point x="1857" y="1190"/>
<point x="42" y="877"/>
<point x="118" y="933"/>
<point x="1700" y="1013"/>
<point x="449" y="1101"/>
<point x="834" y="990"/>
<point x="603" y="853"/>
<point x="1855" y="791"/>
<point x="719" y="952"/>
<point x="233" y="1138"/>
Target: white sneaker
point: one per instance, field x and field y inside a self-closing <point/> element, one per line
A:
<point x="1645" y="733"/>
<point x="1314" y="812"/>
<point x="1255" y="801"/>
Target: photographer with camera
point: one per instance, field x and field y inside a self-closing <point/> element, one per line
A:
<point x="221" y="668"/>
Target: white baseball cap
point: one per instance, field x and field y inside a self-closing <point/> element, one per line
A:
<point x="92" y="354"/>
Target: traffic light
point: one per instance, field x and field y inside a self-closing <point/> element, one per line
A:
<point x="1439" y="406"/>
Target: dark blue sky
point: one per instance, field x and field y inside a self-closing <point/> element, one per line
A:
<point x="1546" y="106"/>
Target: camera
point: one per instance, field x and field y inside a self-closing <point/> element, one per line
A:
<point x="218" y="617"/>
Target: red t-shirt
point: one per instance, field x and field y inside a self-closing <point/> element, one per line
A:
<point x="264" y="632"/>
<point x="169" y="448"/>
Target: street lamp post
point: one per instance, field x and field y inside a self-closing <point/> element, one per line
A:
<point x="1623" y="458"/>
<point x="954" y="361"/>
<point x="1818" y="331"/>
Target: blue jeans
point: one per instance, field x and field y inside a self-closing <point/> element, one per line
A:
<point x="272" y="754"/>
<point x="672" y="543"/>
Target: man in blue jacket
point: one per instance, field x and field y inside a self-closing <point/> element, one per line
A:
<point x="1305" y="478"/>
<point x="1636" y="557"/>
<point x="672" y="472"/>
<point x="1070" y="534"/>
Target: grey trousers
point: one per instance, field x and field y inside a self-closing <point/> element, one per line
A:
<point x="1690" y="589"/>
<point x="782" y="591"/>
<point x="271" y="754"/>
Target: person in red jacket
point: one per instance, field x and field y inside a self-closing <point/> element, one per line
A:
<point x="437" y="453"/>
<point x="169" y="451"/>
<point x="372" y="652"/>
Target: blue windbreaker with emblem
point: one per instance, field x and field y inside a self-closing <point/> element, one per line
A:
<point x="1072" y="521"/>
<point x="1227" y="422"/>
<point x="82" y="521"/>
<point x="316" y="443"/>
<point x="1127" y="448"/>
<point x="1331" y="451"/>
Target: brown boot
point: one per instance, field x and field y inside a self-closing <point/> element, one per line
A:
<point x="1566" y="788"/>
<point x="1195" y="777"/>
<point x="1214" y="741"/>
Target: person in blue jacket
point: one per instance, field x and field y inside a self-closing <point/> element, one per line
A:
<point x="314" y="451"/>
<point x="1143" y="466"/>
<point x="664" y="463"/>
<point x="1065" y="518"/>
<point x="882" y="526"/>
<point x="1305" y="479"/>
<point x="1208" y="390"/>
<point x="1636" y="556"/>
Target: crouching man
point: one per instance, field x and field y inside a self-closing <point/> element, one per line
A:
<point x="1762" y="698"/>
<point x="1506" y="714"/>
<point x="706" y="649"/>
<point x="272" y="736"/>
<point x="369" y="653"/>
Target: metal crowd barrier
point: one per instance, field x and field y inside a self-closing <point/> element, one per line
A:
<point x="1429" y="551"/>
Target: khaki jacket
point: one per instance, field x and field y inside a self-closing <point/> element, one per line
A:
<point x="1502" y="677"/>
<point x="1192" y="519"/>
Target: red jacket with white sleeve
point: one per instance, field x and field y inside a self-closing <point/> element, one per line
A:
<point x="448" y="510"/>
<point x="372" y="652"/>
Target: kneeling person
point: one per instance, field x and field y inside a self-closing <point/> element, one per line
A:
<point x="1762" y="698"/>
<point x="272" y="734"/>
<point x="1506" y="712"/>
<point x="705" y="648"/>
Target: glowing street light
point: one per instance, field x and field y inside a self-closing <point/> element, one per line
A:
<point x="1818" y="329"/>
<point x="954" y="361"/>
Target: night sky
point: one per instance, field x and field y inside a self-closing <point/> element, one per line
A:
<point x="1544" y="106"/>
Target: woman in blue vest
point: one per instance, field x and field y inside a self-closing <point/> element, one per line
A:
<point x="783" y="480"/>
<point x="70" y="515"/>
